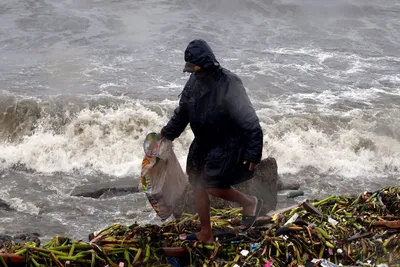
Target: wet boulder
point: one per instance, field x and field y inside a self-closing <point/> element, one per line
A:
<point x="107" y="189"/>
<point x="5" y="206"/>
<point x="281" y="185"/>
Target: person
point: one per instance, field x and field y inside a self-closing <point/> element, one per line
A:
<point x="228" y="138"/>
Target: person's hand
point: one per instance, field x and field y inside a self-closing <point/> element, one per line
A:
<point x="252" y="165"/>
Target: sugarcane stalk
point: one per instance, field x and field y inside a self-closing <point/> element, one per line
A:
<point x="53" y="256"/>
<point x="147" y="253"/>
<point x="20" y="252"/>
<point x="215" y="251"/>
<point x="334" y="208"/>
<point x="169" y="234"/>
<point x="329" y="245"/>
<point x="71" y="251"/>
<point x="119" y="242"/>
<point x="323" y="201"/>
<point x="293" y="211"/>
<point x="67" y="240"/>
<point x="356" y="200"/>
<point x="132" y="249"/>
<point x="72" y="258"/>
<point x="324" y="234"/>
<point x="78" y="246"/>
<point x="35" y="262"/>
<point x="82" y="254"/>
<point x="371" y="197"/>
<point x="93" y="263"/>
<point x="321" y="252"/>
<point x="189" y="250"/>
<point x="127" y="257"/>
<point x="114" y="251"/>
<point x="386" y="242"/>
<point x="3" y="262"/>
<point x="138" y="253"/>
<point x="100" y="259"/>
<point x="48" y="251"/>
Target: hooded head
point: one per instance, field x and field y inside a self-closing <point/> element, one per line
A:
<point x="199" y="56"/>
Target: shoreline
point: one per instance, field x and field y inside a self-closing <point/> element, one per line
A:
<point x="337" y="228"/>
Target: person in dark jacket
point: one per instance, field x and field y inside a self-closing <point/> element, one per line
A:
<point x="228" y="138"/>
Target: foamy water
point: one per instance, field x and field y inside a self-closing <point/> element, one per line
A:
<point x="108" y="139"/>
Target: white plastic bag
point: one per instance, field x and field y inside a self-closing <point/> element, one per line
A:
<point x="162" y="177"/>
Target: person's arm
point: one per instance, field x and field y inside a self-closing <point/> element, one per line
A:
<point x="244" y="116"/>
<point x="179" y="120"/>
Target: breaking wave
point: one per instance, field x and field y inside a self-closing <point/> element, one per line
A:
<point x="104" y="134"/>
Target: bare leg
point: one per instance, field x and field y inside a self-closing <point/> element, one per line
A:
<point x="202" y="201"/>
<point x="249" y="203"/>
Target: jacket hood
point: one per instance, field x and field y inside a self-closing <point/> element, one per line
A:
<point x="199" y="53"/>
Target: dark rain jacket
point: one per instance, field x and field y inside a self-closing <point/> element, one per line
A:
<point x="223" y="120"/>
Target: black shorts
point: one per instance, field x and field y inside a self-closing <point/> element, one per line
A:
<point x="235" y="175"/>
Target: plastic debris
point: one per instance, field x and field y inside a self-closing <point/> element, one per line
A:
<point x="292" y="219"/>
<point x="269" y="263"/>
<point x="244" y="252"/>
<point x="254" y="246"/>
<point x="173" y="262"/>
<point x="332" y="221"/>
<point x="324" y="263"/>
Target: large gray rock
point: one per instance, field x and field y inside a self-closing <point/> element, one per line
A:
<point x="286" y="186"/>
<point x="5" y="206"/>
<point x="264" y="185"/>
<point x="108" y="189"/>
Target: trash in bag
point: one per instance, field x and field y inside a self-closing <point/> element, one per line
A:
<point x="162" y="177"/>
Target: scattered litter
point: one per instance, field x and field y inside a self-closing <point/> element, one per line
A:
<point x="324" y="263"/>
<point x="332" y="221"/>
<point x="292" y="219"/>
<point x="366" y="234"/>
<point x="269" y="263"/>
<point x="254" y="246"/>
<point x="244" y="252"/>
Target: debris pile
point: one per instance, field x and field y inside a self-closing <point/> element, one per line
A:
<point x="361" y="231"/>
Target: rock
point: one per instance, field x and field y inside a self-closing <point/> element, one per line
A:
<point x="295" y="193"/>
<point x="23" y="238"/>
<point x="285" y="186"/>
<point x="107" y="189"/>
<point x="6" y="240"/>
<point x="5" y="206"/>
<point x="263" y="185"/>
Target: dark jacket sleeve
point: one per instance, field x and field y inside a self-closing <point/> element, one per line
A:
<point x="179" y="120"/>
<point x="244" y="116"/>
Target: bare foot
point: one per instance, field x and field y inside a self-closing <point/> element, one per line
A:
<point x="251" y="209"/>
<point x="205" y="238"/>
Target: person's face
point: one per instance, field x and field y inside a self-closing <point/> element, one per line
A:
<point x="191" y="68"/>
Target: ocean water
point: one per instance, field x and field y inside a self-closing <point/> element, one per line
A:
<point x="83" y="81"/>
